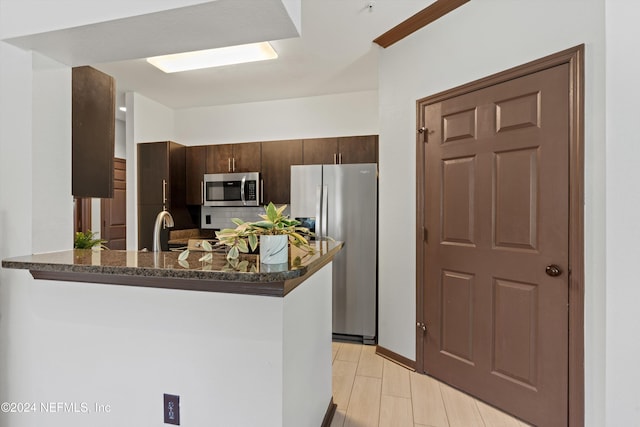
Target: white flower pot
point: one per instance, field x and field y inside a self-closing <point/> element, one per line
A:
<point x="274" y="249"/>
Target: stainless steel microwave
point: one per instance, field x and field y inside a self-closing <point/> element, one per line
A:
<point x="232" y="189"/>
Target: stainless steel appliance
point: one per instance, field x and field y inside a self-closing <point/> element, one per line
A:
<point x="342" y="202"/>
<point x="232" y="189"/>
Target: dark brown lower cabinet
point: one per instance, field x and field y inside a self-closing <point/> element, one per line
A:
<point x="146" y="220"/>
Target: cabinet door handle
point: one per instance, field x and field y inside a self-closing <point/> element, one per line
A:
<point x="233" y="162"/>
<point x="335" y="159"/>
<point x="340" y="158"/>
<point x="202" y="192"/>
<point x="164" y="191"/>
<point x="262" y="191"/>
<point x="229" y="164"/>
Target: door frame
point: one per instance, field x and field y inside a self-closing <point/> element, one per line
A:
<point x="575" y="58"/>
<point x="81" y="214"/>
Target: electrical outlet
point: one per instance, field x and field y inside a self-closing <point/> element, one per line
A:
<point x="171" y="409"/>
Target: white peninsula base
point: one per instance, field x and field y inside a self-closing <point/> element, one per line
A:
<point x="234" y="359"/>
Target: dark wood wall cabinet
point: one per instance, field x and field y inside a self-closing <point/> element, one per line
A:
<point x="196" y="160"/>
<point x="273" y="159"/>
<point x="92" y="132"/>
<point x="350" y="149"/>
<point x="277" y="159"/>
<point x="227" y="158"/>
<point x="161" y="185"/>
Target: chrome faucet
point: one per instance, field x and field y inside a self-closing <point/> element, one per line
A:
<point x="163" y="217"/>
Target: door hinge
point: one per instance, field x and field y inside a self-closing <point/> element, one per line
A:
<point x="424" y="132"/>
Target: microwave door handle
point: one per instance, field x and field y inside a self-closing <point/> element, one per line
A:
<point x="244" y="202"/>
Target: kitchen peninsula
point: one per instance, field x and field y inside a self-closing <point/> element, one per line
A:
<point x="241" y="346"/>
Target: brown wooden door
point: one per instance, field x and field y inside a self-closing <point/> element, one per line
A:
<point x="114" y="211"/>
<point x="358" y="149"/>
<point x="277" y="158"/>
<point x="81" y="214"/>
<point x="195" y="165"/>
<point x="496" y="211"/>
<point x="246" y="157"/>
<point x="320" y="151"/>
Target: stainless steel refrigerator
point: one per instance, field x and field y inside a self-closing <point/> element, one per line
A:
<point x="341" y="201"/>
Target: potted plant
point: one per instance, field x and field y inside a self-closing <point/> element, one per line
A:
<point x="87" y="240"/>
<point x="273" y="234"/>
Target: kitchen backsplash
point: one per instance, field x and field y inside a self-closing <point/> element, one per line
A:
<point x="220" y="217"/>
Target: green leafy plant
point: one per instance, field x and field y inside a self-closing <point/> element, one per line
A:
<point x="245" y="237"/>
<point x="87" y="240"/>
<point x="246" y="234"/>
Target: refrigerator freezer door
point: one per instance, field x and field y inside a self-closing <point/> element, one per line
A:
<point x="352" y="218"/>
<point x="306" y="183"/>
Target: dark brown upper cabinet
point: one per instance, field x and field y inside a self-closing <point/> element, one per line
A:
<point x="358" y="149"/>
<point x="351" y="149"/>
<point x="320" y="151"/>
<point x="277" y="159"/>
<point x="226" y="158"/>
<point x="196" y="166"/>
<point x="92" y="132"/>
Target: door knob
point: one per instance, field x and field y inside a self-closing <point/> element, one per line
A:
<point x="553" y="270"/>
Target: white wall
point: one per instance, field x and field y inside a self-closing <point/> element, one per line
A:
<point x="35" y="198"/>
<point x="314" y="117"/>
<point x="15" y="200"/>
<point x="623" y="211"/>
<point x="52" y="199"/>
<point x="120" y="150"/>
<point x="479" y="39"/>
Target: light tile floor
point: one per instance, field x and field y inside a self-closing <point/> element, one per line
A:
<point x="371" y="391"/>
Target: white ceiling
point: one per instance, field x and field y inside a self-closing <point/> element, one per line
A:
<point x="334" y="53"/>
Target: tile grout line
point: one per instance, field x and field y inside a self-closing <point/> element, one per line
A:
<point x="353" y="383"/>
<point x="381" y="388"/>
<point x="475" y="403"/>
<point x="413" y="417"/>
<point x="444" y="404"/>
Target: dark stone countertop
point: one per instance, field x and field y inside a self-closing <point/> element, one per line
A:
<point x="164" y="270"/>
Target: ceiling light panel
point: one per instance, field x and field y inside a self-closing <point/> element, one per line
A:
<point x="214" y="57"/>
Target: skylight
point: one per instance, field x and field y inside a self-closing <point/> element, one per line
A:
<point x="214" y="57"/>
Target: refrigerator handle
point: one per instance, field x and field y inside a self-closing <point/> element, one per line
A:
<point x="318" y="212"/>
<point x="325" y="211"/>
